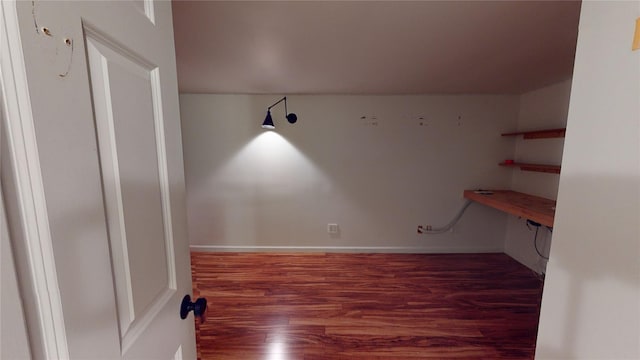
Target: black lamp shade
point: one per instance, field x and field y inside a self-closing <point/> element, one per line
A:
<point x="268" y="122"/>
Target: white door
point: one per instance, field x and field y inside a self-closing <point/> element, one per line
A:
<point x="101" y="79"/>
<point x="14" y="341"/>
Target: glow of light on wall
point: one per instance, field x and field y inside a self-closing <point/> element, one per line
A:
<point x="264" y="192"/>
<point x="269" y="164"/>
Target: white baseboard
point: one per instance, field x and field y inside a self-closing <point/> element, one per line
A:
<point x="343" y="249"/>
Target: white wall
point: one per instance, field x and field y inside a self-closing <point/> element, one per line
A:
<point x="544" y="108"/>
<point x="377" y="178"/>
<point x="591" y="302"/>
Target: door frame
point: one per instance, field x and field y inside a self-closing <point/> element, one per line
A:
<point x="27" y="208"/>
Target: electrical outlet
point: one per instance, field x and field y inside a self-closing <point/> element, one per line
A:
<point x="333" y="228"/>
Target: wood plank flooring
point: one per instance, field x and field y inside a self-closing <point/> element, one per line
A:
<point x="365" y="306"/>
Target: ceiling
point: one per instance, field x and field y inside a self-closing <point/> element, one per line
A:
<point x="378" y="47"/>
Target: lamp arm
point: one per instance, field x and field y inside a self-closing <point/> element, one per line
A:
<point x="278" y="102"/>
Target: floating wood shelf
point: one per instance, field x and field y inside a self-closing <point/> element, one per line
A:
<point x="531" y="207"/>
<point x="553" y="169"/>
<point x="539" y="134"/>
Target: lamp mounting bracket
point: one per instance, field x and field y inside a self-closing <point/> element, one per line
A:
<point x="278" y="102"/>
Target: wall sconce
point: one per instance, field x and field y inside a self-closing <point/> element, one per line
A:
<point x="268" y="121"/>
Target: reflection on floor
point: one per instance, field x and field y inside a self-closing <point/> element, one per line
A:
<point x="365" y="306"/>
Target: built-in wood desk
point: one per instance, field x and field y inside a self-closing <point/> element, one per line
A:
<point x="530" y="207"/>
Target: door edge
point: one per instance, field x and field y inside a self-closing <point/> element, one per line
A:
<point x="46" y="319"/>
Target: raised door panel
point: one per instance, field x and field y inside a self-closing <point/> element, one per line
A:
<point x="129" y="127"/>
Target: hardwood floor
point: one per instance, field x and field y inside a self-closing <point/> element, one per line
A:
<point x="365" y="306"/>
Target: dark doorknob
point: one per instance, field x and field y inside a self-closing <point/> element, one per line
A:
<point x="199" y="307"/>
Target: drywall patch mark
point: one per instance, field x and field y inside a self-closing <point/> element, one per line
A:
<point x="415" y="119"/>
<point x="371" y="120"/>
<point x="69" y="44"/>
<point x="33" y="14"/>
<point x="50" y="43"/>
